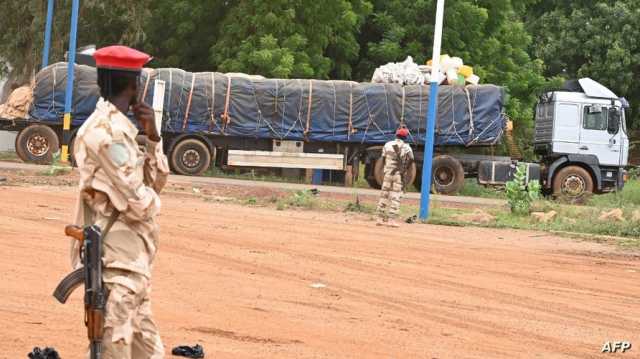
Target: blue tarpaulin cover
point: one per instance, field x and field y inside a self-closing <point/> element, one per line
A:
<point x="314" y="110"/>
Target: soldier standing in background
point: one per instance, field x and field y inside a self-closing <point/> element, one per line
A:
<point x="398" y="157"/>
<point x="119" y="185"/>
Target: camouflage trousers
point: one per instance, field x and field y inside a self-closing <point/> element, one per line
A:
<point x="389" y="203"/>
<point x="129" y="329"/>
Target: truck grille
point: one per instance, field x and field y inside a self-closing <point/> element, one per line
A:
<point x="544" y="123"/>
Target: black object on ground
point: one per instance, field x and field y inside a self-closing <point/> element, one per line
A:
<point x="412" y="219"/>
<point x="3" y="179"/>
<point x="190" y="352"/>
<point x="46" y="353"/>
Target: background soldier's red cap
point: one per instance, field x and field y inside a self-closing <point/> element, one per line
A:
<point x="402" y="132"/>
<point x="120" y="58"/>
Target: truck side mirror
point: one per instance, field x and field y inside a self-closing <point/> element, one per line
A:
<point x="613" y="123"/>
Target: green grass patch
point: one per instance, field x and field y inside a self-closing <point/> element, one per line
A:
<point x="8" y="156"/>
<point x="298" y="199"/>
<point x="472" y="188"/>
<point x="628" y="197"/>
<point x="570" y="219"/>
<point x="358" y="206"/>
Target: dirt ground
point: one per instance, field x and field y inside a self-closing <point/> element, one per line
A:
<point x="249" y="282"/>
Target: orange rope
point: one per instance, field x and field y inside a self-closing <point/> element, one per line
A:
<point x="188" y="109"/>
<point x="351" y="129"/>
<point x="225" y="114"/>
<point x="306" y="131"/>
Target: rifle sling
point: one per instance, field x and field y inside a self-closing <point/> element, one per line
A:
<point x="88" y="218"/>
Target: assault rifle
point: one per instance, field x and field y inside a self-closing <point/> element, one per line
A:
<point x="90" y="274"/>
<point x="404" y="162"/>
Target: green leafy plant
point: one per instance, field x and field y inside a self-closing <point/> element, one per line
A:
<point x="520" y="194"/>
<point x="57" y="167"/>
<point x="357" y="206"/>
<point x="303" y="199"/>
<point x="300" y="199"/>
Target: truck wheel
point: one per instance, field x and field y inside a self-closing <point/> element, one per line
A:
<point x="190" y="157"/>
<point x="573" y="184"/>
<point x="448" y="175"/>
<point x="37" y="144"/>
<point x="369" y="175"/>
<point x="17" y="148"/>
<point x="72" y="158"/>
<point x="379" y="173"/>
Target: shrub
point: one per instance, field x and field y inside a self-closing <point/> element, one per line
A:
<point x="520" y="194"/>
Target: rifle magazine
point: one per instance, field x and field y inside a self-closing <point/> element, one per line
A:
<point x="68" y="285"/>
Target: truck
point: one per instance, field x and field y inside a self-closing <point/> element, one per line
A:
<point x="242" y="121"/>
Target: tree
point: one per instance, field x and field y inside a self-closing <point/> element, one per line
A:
<point x="185" y="40"/>
<point x="101" y="22"/>
<point x="287" y="38"/>
<point x="18" y="39"/>
<point x="596" y="39"/>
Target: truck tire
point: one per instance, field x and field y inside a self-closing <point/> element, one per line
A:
<point x="17" y="148"/>
<point x="370" y="177"/>
<point x="447" y="175"/>
<point x="190" y="157"/>
<point x="72" y="157"/>
<point x="378" y="172"/>
<point x="37" y="144"/>
<point x="573" y="184"/>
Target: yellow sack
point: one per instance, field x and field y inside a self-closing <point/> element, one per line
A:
<point x="466" y="71"/>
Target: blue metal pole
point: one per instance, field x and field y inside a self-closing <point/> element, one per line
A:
<point x="47" y="34"/>
<point x="68" y="100"/>
<point x="428" y="153"/>
<point x="432" y="115"/>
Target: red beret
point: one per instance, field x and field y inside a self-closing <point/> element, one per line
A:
<point x="120" y="58"/>
<point x="402" y="132"/>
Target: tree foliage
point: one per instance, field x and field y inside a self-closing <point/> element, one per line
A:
<point x="101" y="22"/>
<point x="523" y="45"/>
<point x="287" y="38"/>
<point x="19" y="40"/>
<point x="185" y="40"/>
<point x="596" y="39"/>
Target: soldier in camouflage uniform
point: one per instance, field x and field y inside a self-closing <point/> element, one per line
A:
<point x="116" y="174"/>
<point x="398" y="157"/>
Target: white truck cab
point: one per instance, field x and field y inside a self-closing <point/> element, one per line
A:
<point x="582" y="137"/>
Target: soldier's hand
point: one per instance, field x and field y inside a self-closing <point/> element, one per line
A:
<point x="147" y="119"/>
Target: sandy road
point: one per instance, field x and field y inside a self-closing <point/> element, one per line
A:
<point x="238" y="280"/>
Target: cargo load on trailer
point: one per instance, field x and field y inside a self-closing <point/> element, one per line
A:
<point x="299" y="110"/>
